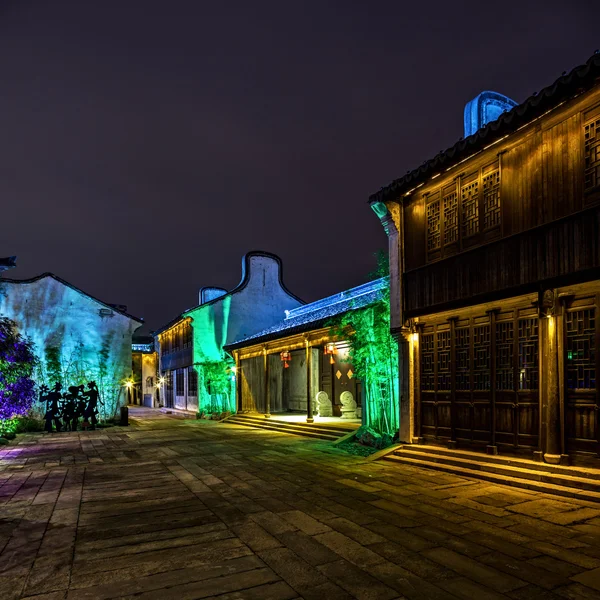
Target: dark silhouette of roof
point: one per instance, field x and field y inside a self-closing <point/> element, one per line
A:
<point x="566" y="87"/>
<point x="8" y="263"/>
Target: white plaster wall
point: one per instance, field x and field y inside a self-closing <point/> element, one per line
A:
<point x="260" y="304"/>
<point x="51" y="313"/>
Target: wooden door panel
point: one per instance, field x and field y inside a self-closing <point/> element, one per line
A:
<point x="444" y="421"/>
<point x="457" y="374"/>
<point x="528" y="433"/>
<point x="581" y="364"/>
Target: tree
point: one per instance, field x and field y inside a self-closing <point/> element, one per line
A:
<point x="374" y="356"/>
<point x="17" y="362"/>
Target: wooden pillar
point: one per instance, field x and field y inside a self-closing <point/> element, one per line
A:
<point x="405" y="372"/>
<point x="267" y="382"/>
<point x="309" y="411"/>
<point x="238" y="383"/>
<point x="491" y="448"/>
<point x="562" y="384"/>
<point x="548" y="324"/>
<point x="452" y="443"/>
<point x="417" y="437"/>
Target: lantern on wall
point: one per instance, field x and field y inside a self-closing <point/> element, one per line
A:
<point x="286" y="357"/>
<point x="330" y="349"/>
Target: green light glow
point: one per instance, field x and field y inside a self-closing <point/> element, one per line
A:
<point x="374" y="357"/>
<point x="216" y="388"/>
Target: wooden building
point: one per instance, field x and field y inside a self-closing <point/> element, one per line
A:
<point x="280" y="368"/>
<point x="495" y="280"/>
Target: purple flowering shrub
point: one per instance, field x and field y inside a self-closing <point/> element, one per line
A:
<point x="17" y="362"/>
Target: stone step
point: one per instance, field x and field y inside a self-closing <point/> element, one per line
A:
<point x="499" y="459"/>
<point x="300" y="430"/>
<point x="572" y="488"/>
<point x="328" y="427"/>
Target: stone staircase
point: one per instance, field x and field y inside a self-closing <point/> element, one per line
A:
<point x="574" y="482"/>
<point x="322" y="431"/>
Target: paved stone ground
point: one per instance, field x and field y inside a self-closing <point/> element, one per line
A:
<point x="170" y="508"/>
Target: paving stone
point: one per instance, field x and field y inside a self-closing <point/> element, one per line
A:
<point x="463" y="565"/>
<point x="255" y="536"/>
<point x="465" y="588"/>
<point x="307" y="548"/>
<point x="412" y="561"/>
<point x="141" y="511"/>
<point x="358" y="583"/>
<point x="296" y="572"/>
<point x="304" y="522"/>
<point x="524" y="570"/>
<point x="576" y="591"/>
<point x="349" y="549"/>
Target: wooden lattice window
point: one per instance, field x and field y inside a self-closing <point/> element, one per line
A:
<point x="463" y="359"/>
<point x="450" y="204"/>
<point x="427" y="362"/>
<point x="504" y="356"/>
<point x="192" y="382"/>
<point x="581" y="349"/>
<point x="591" y="132"/>
<point x="528" y="354"/>
<point x="179" y="382"/>
<point x="491" y="198"/>
<point x="433" y="226"/>
<point x="469" y="198"/>
<point x="187" y="335"/>
<point x="444" y="372"/>
<point x="481" y="357"/>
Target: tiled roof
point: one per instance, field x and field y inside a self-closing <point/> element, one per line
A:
<point x="316" y="314"/>
<point x="566" y="87"/>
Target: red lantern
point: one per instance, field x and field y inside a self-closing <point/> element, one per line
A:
<point x="286" y="357"/>
<point x="330" y="349"/>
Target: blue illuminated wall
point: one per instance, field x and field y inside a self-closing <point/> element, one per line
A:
<point x="93" y="340"/>
<point x="483" y="109"/>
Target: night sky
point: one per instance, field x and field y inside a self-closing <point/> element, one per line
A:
<point x="146" y="146"/>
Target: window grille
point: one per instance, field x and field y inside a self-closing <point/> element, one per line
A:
<point x="481" y="357"/>
<point x="179" y="382"/>
<point x="504" y="356"/>
<point x="187" y="335"/>
<point x="491" y="200"/>
<point x="581" y="349"/>
<point x="192" y="382"/>
<point x="433" y="226"/>
<point x="444" y="374"/>
<point x="450" y="202"/>
<point x="528" y="354"/>
<point x="427" y="362"/>
<point x="591" y="134"/>
<point x="463" y="359"/>
<point x="469" y="194"/>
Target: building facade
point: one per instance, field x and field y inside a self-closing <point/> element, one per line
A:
<point x="284" y="368"/>
<point x="495" y="280"/>
<point x="144" y="384"/>
<point x="76" y="337"/>
<point x="194" y="369"/>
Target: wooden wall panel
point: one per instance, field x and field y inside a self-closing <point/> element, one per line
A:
<point x="557" y="249"/>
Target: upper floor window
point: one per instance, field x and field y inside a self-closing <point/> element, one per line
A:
<point x="591" y="134"/>
<point x="187" y="335"/>
<point x="464" y="213"/>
